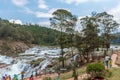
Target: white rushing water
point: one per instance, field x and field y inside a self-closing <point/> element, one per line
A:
<point x="19" y="64"/>
<point x="13" y="68"/>
<point x="5" y="59"/>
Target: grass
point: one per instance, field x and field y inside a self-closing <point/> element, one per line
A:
<point x="115" y="74"/>
<point x="68" y="75"/>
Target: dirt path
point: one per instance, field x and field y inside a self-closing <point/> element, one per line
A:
<point x="81" y="77"/>
<point x="113" y="57"/>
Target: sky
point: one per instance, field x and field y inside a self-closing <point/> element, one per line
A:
<point x="39" y="11"/>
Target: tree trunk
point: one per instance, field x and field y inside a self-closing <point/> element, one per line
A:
<point x="87" y="57"/>
<point x="62" y="55"/>
<point x="75" y="74"/>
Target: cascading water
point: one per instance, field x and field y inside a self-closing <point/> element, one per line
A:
<point x="16" y="68"/>
<point x="5" y="59"/>
<point x="21" y="63"/>
<point x="44" y="63"/>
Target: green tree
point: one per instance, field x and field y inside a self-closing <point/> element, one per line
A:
<point x="71" y="31"/>
<point x="90" y="35"/>
<point x="61" y="20"/>
<point x="107" y="25"/>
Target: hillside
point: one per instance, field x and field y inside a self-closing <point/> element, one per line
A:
<point x="10" y="48"/>
<point x="14" y="34"/>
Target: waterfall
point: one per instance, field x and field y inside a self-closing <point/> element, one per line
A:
<point x="21" y="63"/>
<point x="45" y="63"/>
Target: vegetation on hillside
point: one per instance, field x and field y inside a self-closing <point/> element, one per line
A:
<point x="29" y="33"/>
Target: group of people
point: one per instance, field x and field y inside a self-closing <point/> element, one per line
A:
<point x="8" y="77"/>
<point x="37" y="73"/>
<point x="108" y="61"/>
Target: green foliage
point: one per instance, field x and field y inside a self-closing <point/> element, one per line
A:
<point x="28" y="33"/>
<point x="90" y="30"/>
<point x="42" y="35"/>
<point x="95" y="69"/>
<point x="108" y="25"/>
<point x="63" y="20"/>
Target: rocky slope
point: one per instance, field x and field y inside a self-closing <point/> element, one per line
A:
<point x="12" y="47"/>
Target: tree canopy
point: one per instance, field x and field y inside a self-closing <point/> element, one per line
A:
<point x="34" y="34"/>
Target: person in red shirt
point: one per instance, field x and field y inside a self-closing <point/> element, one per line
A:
<point x="31" y="77"/>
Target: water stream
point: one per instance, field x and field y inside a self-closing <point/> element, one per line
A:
<point x="21" y="63"/>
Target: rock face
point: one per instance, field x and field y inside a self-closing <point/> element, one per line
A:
<point x="118" y="59"/>
<point x="9" y="47"/>
<point x="19" y="46"/>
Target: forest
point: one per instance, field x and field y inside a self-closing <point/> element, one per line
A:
<point x="28" y="33"/>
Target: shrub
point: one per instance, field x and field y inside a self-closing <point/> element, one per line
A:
<point x="95" y="70"/>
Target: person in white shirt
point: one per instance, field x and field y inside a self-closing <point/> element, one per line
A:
<point x="106" y="60"/>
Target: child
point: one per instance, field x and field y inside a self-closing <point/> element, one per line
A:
<point x="110" y="62"/>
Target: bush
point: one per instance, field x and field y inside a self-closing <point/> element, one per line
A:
<point x="95" y="70"/>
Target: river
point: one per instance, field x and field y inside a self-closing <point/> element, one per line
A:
<point x="21" y="63"/>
